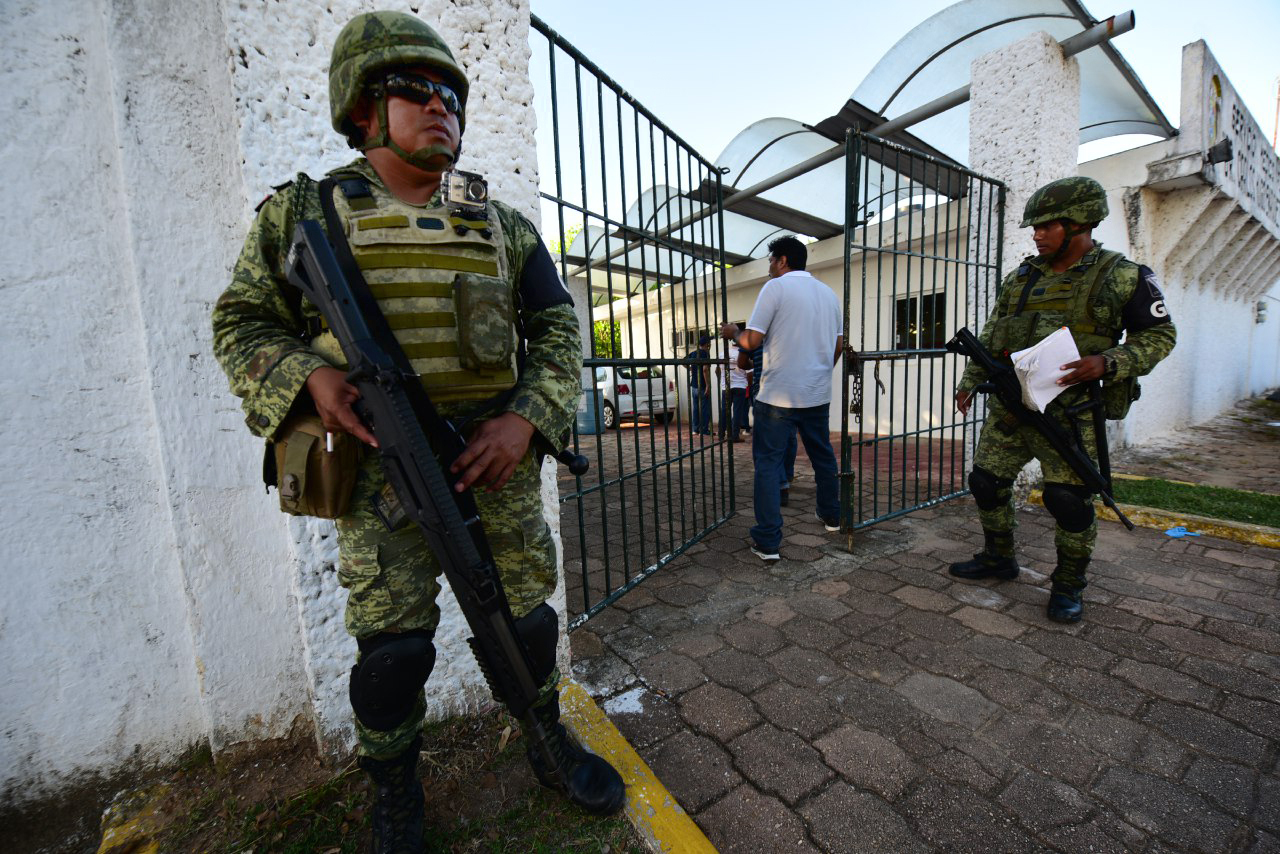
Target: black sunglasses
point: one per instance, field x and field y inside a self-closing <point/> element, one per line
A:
<point x="420" y="90"/>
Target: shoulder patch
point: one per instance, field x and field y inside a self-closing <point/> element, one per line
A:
<point x="1147" y="277"/>
<point x="540" y="284"/>
<point x="1150" y="284"/>
<point x="1146" y="307"/>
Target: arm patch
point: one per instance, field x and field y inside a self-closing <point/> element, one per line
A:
<point x="540" y="285"/>
<point x="1146" y="308"/>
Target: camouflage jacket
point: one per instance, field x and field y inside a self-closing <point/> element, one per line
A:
<point x="1129" y="299"/>
<point x="259" y="321"/>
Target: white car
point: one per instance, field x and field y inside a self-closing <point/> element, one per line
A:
<point x="635" y="392"/>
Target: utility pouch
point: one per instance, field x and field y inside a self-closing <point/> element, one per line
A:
<point x="1118" y="396"/>
<point x="1021" y="331"/>
<point x="486" y="315"/>
<point x="1012" y="334"/>
<point x="311" y="480"/>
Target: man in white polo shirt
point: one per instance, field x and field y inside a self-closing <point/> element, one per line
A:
<point x="798" y="320"/>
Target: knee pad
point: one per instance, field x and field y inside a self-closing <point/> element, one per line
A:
<point x="540" y="631"/>
<point x="989" y="491"/>
<point x="393" y="668"/>
<point x="1070" y="505"/>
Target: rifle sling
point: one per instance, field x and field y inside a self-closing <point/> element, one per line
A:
<point x="365" y="300"/>
<point x="1032" y="277"/>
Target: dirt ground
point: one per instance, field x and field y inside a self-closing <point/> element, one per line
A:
<point x="283" y="797"/>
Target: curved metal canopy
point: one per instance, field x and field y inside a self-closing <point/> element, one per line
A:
<point x="935" y="56"/>
<point x="930" y="61"/>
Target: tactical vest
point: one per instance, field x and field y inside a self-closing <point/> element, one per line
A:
<point x="443" y="283"/>
<point x="1073" y="299"/>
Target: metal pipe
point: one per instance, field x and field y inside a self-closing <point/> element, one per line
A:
<point x="1114" y="26"/>
<point x="1102" y="31"/>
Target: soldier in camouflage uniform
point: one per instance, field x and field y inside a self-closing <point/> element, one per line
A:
<point x="1097" y="294"/>
<point x="397" y="95"/>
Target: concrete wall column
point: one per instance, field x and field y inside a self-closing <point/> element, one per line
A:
<point x="1024" y="119"/>
<point x="1024" y="125"/>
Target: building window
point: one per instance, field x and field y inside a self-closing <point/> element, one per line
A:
<point x="686" y="340"/>
<point x="920" y="322"/>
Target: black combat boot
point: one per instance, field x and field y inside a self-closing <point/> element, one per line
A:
<point x="398" y="805"/>
<point x="989" y="563"/>
<point x="584" y="778"/>
<point x="1068" y="579"/>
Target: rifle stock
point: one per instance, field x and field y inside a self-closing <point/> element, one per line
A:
<point x="1003" y="383"/>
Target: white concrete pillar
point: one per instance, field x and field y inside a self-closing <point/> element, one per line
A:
<point x="1024" y="130"/>
<point x="1024" y="126"/>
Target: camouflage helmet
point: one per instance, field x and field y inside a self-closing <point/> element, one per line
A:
<point x="1079" y="200"/>
<point x="377" y="41"/>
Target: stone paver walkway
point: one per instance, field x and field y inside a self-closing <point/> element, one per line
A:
<point x="1239" y="449"/>
<point x="865" y="701"/>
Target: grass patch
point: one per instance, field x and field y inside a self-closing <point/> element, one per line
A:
<point x="481" y="796"/>
<point x="1215" y="502"/>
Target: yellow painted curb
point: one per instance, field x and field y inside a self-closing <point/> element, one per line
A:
<point x="1161" y="520"/>
<point x="133" y="820"/>
<point x="661" y="822"/>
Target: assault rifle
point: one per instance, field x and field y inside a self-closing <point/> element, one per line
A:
<point x="395" y="406"/>
<point x="1003" y="383"/>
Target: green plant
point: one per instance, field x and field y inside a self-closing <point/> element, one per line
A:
<point x="607" y="339"/>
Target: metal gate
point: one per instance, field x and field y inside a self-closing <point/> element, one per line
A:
<point x="634" y="215"/>
<point x="922" y="259"/>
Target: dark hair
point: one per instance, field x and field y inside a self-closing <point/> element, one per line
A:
<point x="791" y="249"/>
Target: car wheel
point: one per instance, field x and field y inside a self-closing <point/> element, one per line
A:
<point x="610" y="416"/>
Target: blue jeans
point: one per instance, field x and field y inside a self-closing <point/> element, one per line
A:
<point x="787" y="471"/>
<point x="787" y="468"/>
<point x="701" y="415"/>
<point x="774" y="426"/>
<point x="738" y="398"/>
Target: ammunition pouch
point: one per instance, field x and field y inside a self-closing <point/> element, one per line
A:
<point x="1118" y="396"/>
<point x="311" y="480"/>
<point x="1020" y="331"/>
<point x="485" y="313"/>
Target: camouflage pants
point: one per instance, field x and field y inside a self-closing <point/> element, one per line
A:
<point x="1004" y="452"/>
<point x="392" y="578"/>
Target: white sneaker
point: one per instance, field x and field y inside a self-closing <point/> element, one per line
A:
<point x="828" y="524"/>
<point x="762" y="554"/>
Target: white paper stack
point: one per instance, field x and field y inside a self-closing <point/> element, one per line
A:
<point x="1039" y="368"/>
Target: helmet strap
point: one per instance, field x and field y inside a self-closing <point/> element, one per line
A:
<point x="1070" y="231"/>
<point x="431" y="158"/>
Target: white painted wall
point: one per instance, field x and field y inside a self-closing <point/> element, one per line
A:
<point x="96" y="653"/>
<point x="1211" y="234"/>
<point x="157" y="597"/>
<point x="1265" y="365"/>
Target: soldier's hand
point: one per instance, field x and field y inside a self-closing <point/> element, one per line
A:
<point x="493" y="452"/>
<point x="333" y="397"/>
<point x="1082" y="370"/>
<point x="963" y="400"/>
